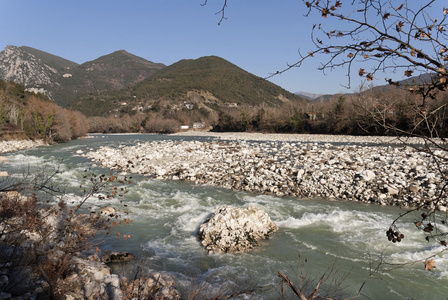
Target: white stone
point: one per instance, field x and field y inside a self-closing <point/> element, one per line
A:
<point x="232" y="230"/>
<point x="368" y="175"/>
<point x="108" y="210"/>
<point x="392" y="190"/>
<point x="160" y="172"/>
<point x="300" y="174"/>
<point x="442" y="208"/>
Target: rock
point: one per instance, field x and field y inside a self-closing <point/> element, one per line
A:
<point x="166" y="293"/>
<point x="300" y="174"/>
<point x="392" y="190"/>
<point x="441" y="208"/>
<point x="4" y="280"/>
<point x="233" y="230"/>
<point x="413" y="188"/>
<point x="356" y="172"/>
<point x="108" y="210"/>
<point x="14" y="145"/>
<point x="19" y="281"/>
<point x="156" y="286"/>
<point x="113" y="287"/>
<point x="92" y="280"/>
<point x="3" y="174"/>
<point x="160" y="172"/>
<point x="4" y="295"/>
<point x="112" y="257"/>
<point x="368" y="175"/>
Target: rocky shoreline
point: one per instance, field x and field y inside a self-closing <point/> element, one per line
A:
<point x="15" y="145"/>
<point x="290" y="165"/>
<point x="316" y="138"/>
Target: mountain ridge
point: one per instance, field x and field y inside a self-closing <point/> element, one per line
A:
<point x="102" y="86"/>
<point x="208" y="82"/>
<point x="63" y="80"/>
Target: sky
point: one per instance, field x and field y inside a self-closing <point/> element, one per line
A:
<point x="260" y="36"/>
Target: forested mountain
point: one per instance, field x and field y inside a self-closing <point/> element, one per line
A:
<point x="210" y="82"/>
<point x="63" y="80"/>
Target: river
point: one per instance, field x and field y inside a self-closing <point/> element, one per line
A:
<point x="346" y="238"/>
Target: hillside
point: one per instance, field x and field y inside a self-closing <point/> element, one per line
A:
<point x="54" y="61"/>
<point x="124" y="67"/>
<point x="209" y="82"/>
<point x="26" y="115"/>
<point x="222" y="79"/>
<point x="63" y="80"/>
<point x="36" y="70"/>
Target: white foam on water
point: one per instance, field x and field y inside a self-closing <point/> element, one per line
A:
<point x="330" y="219"/>
<point x="418" y="253"/>
<point x="168" y="213"/>
<point x="70" y="177"/>
<point x="189" y="222"/>
<point x="309" y="246"/>
<point x="20" y="164"/>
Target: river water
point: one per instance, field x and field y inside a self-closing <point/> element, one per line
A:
<point x="322" y="235"/>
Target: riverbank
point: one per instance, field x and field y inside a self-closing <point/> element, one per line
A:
<point x="264" y="163"/>
<point x="15" y="145"/>
<point x="316" y="138"/>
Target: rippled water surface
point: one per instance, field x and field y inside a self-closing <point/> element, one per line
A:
<point x="344" y="236"/>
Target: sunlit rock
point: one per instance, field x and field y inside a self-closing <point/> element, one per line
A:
<point x="108" y="210"/>
<point x="233" y="230"/>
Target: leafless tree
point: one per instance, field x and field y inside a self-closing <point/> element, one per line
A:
<point x="368" y="37"/>
<point x="45" y="235"/>
<point x="374" y="38"/>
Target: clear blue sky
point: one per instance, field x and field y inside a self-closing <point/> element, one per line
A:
<point x="259" y="36"/>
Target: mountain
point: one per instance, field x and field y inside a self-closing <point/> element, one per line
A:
<point x="63" y="80"/>
<point x="214" y="75"/>
<point x="309" y="96"/>
<point x="34" y="69"/>
<point x="208" y="82"/>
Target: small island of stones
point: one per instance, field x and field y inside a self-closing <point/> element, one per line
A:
<point x="383" y="171"/>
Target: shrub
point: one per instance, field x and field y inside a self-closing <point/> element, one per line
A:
<point x="162" y="126"/>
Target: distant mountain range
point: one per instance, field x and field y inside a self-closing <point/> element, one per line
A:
<point x="101" y="86"/>
<point x="309" y="96"/>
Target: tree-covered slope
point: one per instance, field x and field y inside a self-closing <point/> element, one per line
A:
<point x="222" y="79"/>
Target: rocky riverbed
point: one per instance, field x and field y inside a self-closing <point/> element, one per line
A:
<point x="15" y="145"/>
<point x="289" y="165"/>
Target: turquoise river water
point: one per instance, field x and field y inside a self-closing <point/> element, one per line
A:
<point x="347" y="237"/>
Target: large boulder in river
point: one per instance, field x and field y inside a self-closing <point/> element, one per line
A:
<point x="233" y="230"/>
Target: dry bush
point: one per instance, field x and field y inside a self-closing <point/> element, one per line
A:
<point x="162" y="126"/>
<point x="44" y="237"/>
